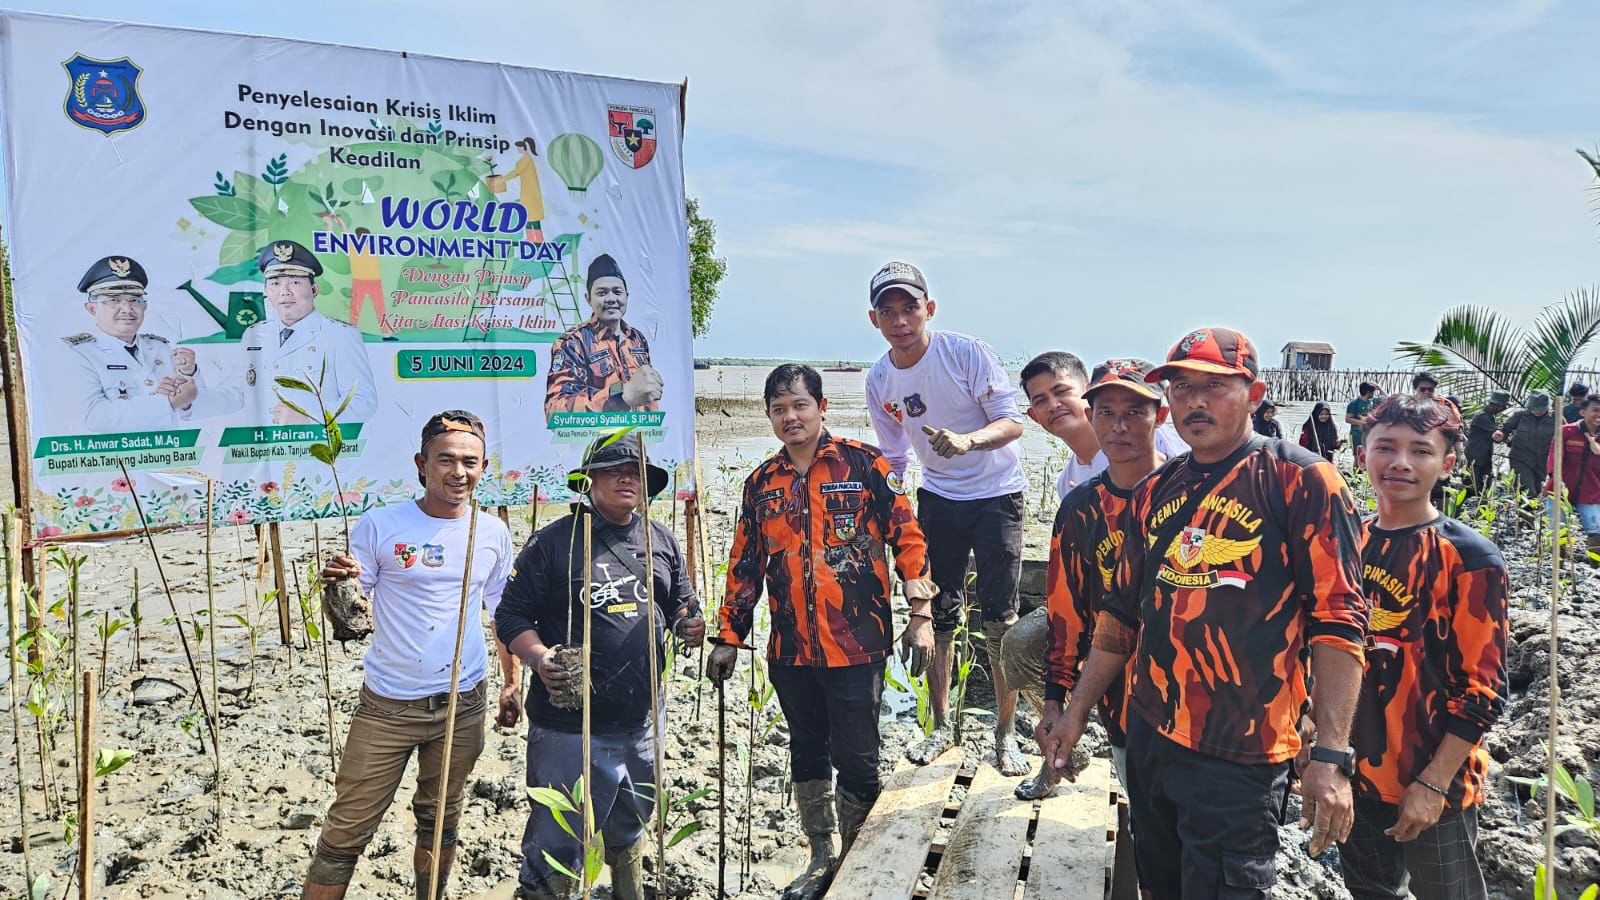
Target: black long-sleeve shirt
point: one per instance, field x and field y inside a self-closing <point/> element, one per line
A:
<point x="549" y="574"/>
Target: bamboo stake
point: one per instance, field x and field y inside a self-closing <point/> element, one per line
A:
<point x="749" y="776"/>
<point x="722" y="791"/>
<point x="211" y="634"/>
<point x="16" y="400"/>
<point x="76" y="614"/>
<point x="183" y="635"/>
<point x="588" y="734"/>
<point x="1555" y="681"/>
<point x="657" y="717"/>
<point x="327" y="681"/>
<point x="285" y="624"/>
<point x="13" y="596"/>
<point x="450" y="708"/>
<point x="86" y="793"/>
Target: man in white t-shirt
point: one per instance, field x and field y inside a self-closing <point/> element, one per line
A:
<point x="1054" y="383"/>
<point x="409" y="558"/>
<point x="947" y="398"/>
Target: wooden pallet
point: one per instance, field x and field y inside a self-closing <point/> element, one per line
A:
<point x="920" y="842"/>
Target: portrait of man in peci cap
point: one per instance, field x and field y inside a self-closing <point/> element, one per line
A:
<point x="603" y="363"/>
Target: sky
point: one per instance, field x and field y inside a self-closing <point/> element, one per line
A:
<point x="1089" y="176"/>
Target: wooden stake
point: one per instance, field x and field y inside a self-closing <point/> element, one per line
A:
<point x="17" y="431"/>
<point x="211" y="633"/>
<point x="657" y="716"/>
<point x="13" y="597"/>
<point x="137" y="615"/>
<point x="1555" y="681"/>
<point x="588" y="733"/>
<point x="327" y="681"/>
<point x="86" y="793"/>
<point x="722" y="791"/>
<point x="285" y="624"/>
<point x="450" y="708"/>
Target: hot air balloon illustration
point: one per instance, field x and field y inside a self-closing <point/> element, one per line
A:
<point x="577" y="159"/>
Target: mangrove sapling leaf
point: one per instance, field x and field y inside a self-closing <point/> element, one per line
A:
<point x="322" y="453"/>
<point x="40" y="889"/>
<point x="292" y="384"/>
<point x="554" y="863"/>
<point x="107" y="761"/>
<point x="345" y="403"/>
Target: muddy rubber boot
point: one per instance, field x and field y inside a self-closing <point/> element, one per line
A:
<point x="422" y="876"/>
<point x="852" y="813"/>
<point x="556" y="887"/>
<point x="627" y="871"/>
<point x="815" y="799"/>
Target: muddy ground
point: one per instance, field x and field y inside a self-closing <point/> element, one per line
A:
<point x="157" y="835"/>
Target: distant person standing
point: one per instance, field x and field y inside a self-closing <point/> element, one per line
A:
<point x="946" y="397"/>
<point x="1265" y="420"/>
<point x="1357" y="409"/>
<point x="1573" y="411"/>
<point x="1481" y="440"/>
<point x="1424" y="385"/>
<point x="1528" y="433"/>
<point x="1580" y="468"/>
<point x="1319" y="434"/>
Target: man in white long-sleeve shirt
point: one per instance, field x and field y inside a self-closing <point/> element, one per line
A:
<point x="947" y="398"/>
<point x="128" y="380"/>
<point x="410" y="560"/>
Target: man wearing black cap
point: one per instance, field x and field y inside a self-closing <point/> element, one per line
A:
<point x="1241" y="561"/>
<point x="127" y="380"/>
<point x="543" y="612"/>
<point x="300" y="342"/>
<point x="1480" y="440"/>
<point x="947" y="398"/>
<point x="603" y="364"/>
<point x="409" y="558"/>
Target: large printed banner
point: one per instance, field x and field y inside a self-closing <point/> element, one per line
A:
<point x="193" y="216"/>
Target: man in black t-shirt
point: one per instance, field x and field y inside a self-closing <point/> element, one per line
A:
<point x="542" y="610"/>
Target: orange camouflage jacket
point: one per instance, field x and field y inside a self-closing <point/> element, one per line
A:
<point x="1436" y="656"/>
<point x="1268" y="564"/>
<point x="816" y="541"/>
<point x="1083" y="550"/>
<point x="589" y="365"/>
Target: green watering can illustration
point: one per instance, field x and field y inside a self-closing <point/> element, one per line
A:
<point x="245" y="308"/>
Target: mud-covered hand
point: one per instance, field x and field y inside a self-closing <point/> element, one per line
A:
<point x="1050" y="721"/>
<point x="691" y="630"/>
<point x="1419" y="809"/>
<point x="642" y="388"/>
<point x="1326" y="805"/>
<point x="947" y="443"/>
<point x="510" y="707"/>
<point x="556" y="677"/>
<point x="1059" y="742"/>
<point x="916" y="646"/>
<point x="339" y="568"/>
<point x="720" y="664"/>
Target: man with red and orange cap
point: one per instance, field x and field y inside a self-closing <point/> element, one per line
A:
<point x="1239" y="557"/>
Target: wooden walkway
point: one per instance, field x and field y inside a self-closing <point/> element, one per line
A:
<point x="952" y="830"/>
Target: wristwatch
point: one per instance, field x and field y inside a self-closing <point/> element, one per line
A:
<point x="1343" y="760"/>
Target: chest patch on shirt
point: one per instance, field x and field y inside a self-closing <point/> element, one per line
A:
<point x="433" y="555"/>
<point x="405" y="554"/>
<point x="842" y="487"/>
<point x="768" y="496"/>
<point x="915" y="406"/>
<point x="1195" y="547"/>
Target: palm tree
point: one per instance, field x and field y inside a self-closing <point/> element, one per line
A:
<point x="1476" y="349"/>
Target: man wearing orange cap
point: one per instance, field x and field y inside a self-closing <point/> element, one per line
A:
<point x="1237" y="557"/>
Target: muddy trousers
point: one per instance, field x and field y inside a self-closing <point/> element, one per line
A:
<point x="1441" y="864"/>
<point x="620" y="783"/>
<point x="383" y="735"/>
<point x="1203" y="827"/>
<point x="833" y="724"/>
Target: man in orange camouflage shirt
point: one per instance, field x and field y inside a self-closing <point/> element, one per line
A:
<point x="1240" y="560"/>
<point x="813" y="526"/>
<point x="1435" y="669"/>
<point x="602" y="365"/>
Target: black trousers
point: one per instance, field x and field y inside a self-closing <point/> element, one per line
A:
<point x="1482" y="471"/>
<point x="833" y="724"/>
<point x="1441" y="864"/>
<point x="990" y="529"/>
<point x="1203" y="827"/>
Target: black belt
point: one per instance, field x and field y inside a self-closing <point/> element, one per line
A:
<point x="440" y="701"/>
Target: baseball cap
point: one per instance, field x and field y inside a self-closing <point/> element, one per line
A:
<point x="1220" y="351"/>
<point x="453" y="420"/>
<point x="1124" y="373"/>
<point x="897" y="274"/>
